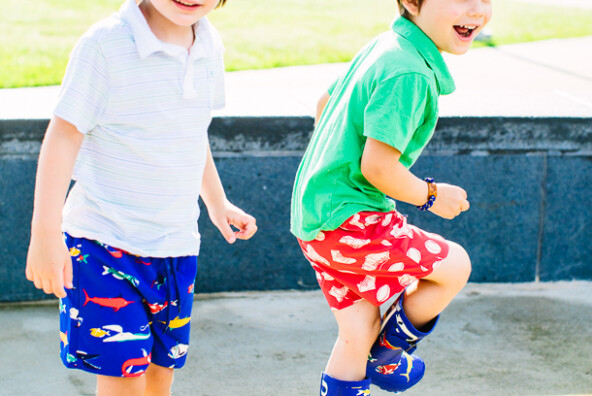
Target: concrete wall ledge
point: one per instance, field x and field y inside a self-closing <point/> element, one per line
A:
<point x="528" y="180"/>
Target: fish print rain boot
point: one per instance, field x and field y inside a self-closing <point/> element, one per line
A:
<point x="392" y="366"/>
<point x="334" y="387"/>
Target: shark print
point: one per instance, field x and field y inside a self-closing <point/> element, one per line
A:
<point x="177" y="322"/>
<point x="85" y="357"/>
<point x="121" y="296"/>
<point x="120" y="275"/>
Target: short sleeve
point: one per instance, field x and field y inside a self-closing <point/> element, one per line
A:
<point x="85" y="89"/>
<point x="395" y="109"/>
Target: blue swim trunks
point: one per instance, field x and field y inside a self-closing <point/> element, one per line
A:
<point x="125" y="311"/>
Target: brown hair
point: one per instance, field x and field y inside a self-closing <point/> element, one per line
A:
<point x="403" y="10"/>
<point x="221" y="3"/>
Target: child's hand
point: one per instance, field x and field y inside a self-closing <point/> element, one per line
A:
<point x="49" y="265"/>
<point x="450" y="202"/>
<point x="232" y="215"/>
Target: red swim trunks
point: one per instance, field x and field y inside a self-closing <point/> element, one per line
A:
<point x="372" y="256"/>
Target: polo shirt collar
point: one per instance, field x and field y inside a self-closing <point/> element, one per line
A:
<point x="147" y="43"/>
<point x="428" y="50"/>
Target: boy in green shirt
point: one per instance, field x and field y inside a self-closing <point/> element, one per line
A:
<point x="372" y="125"/>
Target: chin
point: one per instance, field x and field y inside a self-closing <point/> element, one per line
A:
<point x="457" y="49"/>
<point x="460" y="51"/>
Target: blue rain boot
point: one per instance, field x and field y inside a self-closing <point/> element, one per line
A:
<point x="334" y="387"/>
<point x="392" y="366"/>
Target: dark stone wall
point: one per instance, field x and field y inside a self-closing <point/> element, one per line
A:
<point x="528" y="181"/>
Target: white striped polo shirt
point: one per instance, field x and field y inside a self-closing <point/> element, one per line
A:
<point x="144" y="107"/>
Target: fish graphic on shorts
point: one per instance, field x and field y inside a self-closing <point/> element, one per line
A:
<point x="114" y="302"/>
<point x="74" y="316"/>
<point x="120" y="336"/>
<point x="178" y="351"/>
<point x="85" y="357"/>
<point x="156" y="308"/>
<point x="177" y="322"/>
<point x="116" y="253"/>
<point x="99" y="333"/>
<point x="64" y="338"/>
<point x="128" y="365"/>
<point x="120" y="275"/>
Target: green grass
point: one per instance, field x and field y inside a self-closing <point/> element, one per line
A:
<point x="38" y="36"/>
<point x="516" y="22"/>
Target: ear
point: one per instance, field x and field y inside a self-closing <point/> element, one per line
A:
<point x="412" y="6"/>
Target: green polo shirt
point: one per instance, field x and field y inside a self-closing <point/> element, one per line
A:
<point x="390" y="93"/>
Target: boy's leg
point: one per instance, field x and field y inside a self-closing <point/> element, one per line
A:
<point x="434" y="292"/>
<point x="359" y="326"/>
<point x="158" y="380"/>
<point x="408" y="323"/>
<point x="119" y="386"/>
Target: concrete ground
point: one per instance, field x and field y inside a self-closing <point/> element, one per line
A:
<point x="550" y="78"/>
<point x="494" y="339"/>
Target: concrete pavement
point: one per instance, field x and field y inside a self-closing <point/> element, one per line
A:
<point x="494" y="339"/>
<point x="551" y="78"/>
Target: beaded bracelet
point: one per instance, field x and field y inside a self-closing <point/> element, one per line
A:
<point x="432" y="194"/>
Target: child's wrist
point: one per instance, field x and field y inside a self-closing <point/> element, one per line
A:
<point x="432" y="194"/>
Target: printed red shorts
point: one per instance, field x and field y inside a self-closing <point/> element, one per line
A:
<point x="372" y="256"/>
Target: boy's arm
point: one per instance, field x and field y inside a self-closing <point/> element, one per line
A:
<point x="221" y="211"/>
<point x="321" y="106"/>
<point x="381" y="167"/>
<point x="48" y="262"/>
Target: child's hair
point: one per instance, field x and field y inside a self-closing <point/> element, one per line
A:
<point x="221" y="3"/>
<point x="403" y="10"/>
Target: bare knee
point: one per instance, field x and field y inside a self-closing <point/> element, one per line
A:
<point x="464" y="263"/>
<point x="454" y="271"/>
<point x="158" y="380"/>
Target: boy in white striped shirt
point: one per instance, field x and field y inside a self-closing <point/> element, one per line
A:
<point x="130" y="128"/>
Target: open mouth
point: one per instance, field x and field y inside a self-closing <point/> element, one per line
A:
<point x="465" y="31"/>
